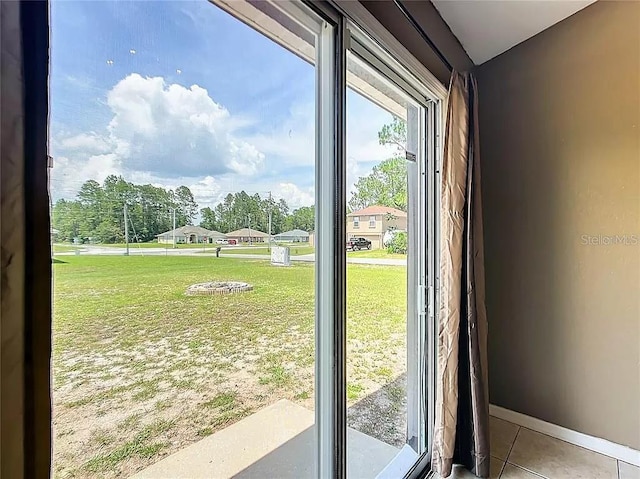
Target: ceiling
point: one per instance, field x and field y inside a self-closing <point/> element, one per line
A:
<point x="486" y="28"/>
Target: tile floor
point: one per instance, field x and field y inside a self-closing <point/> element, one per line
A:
<point x="519" y="453"/>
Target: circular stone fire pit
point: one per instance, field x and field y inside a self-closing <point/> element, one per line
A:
<point x="218" y="287"/>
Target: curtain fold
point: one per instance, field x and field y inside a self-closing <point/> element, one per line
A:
<point x="25" y="250"/>
<point x="461" y="433"/>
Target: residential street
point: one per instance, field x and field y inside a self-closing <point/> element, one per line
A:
<point x="137" y="251"/>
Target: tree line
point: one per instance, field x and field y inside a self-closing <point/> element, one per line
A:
<point x="98" y="212"/>
<point x="241" y="210"/>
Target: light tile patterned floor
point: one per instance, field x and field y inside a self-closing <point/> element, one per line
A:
<point x="519" y="453"/>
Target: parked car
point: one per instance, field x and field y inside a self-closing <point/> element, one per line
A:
<point x="232" y="241"/>
<point x="222" y="241"/>
<point x="356" y="244"/>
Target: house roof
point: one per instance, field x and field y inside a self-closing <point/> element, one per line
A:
<point x="246" y="232"/>
<point x="191" y="230"/>
<point x="295" y="232"/>
<point x="379" y="210"/>
<point x="216" y="234"/>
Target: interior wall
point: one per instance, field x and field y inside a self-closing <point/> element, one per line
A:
<point x="431" y="22"/>
<point x="560" y="150"/>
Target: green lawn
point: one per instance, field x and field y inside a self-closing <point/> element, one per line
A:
<point x="141" y="370"/>
<point x="375" y="253"/>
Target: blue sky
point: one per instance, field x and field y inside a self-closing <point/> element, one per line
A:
<point x="175" y="93"/>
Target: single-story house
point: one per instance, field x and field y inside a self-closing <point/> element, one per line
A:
<point x="373" y="222"/>
<point x="293" y="236"/>
<point x="248" y="235"/>
<point x="215" y="235"/>
<point x="190" y="235"/>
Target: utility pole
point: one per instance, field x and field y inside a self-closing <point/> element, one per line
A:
<point x="270" y="209"/>
<point x="250" y="240"/>
<point x="174" y="228"/>
<point x="126" y="230"/>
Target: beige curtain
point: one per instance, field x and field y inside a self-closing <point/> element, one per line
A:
<point x="461" y="433"/>
<point x="25" y="252"/>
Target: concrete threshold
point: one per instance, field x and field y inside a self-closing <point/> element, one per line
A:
<point x="276" y="442"/>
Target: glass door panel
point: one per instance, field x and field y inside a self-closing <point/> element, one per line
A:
<point x="385" y="273"/>
<point x="187" y="139"/>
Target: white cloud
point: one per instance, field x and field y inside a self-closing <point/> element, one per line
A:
<point x="170" y="135"/>
<point x="87" y="142"/>
<point x="207" y="191"/>
<point x="294" y="195"/>
<point x="166" y="135"/>
<point x="170" y="129"/>
<point x="68" y="175"/>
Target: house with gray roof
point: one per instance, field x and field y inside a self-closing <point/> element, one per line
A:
<point x="190" y="235"/>
<point x="293" y="236"/>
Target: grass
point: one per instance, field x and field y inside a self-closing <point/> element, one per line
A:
<point x="162" y="369"/>
<point x="375" y="253"/>
<point x="143" y="446"/>
<point x="224" y="401"/>
<point x="278" y="376"/>
<point x="354" y="391"/>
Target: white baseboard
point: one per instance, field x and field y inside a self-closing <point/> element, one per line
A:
<point x="608" y="448"/>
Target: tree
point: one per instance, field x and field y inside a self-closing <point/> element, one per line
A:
<point x="97" y="213"/>
<point x="303" y="218"/>
<point x="152" y="213"/>
<point x="394" y="133"/>
<point x="386" y="185"/>
<point x="398" y="243"/>
<point x="208" y="220"/>
<point x="66" y="218"/>
<point x="185" y="204"/>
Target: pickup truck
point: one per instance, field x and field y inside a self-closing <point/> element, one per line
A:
<point x="356" y="244"/>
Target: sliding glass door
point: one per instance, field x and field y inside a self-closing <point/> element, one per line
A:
<point x="243" y="223"/>
<point x="387" y="227"/>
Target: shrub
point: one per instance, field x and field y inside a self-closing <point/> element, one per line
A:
<point x="398" y="243"/>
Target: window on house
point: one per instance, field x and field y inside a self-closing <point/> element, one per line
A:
<point x="190" y="146"/>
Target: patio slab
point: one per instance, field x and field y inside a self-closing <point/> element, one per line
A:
<point x="274" y="443"/>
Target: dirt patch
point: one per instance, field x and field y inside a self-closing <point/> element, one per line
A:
<point x="218" y="287"/>
<point x="383" y="413"/>
<point x="126" y="409"/>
